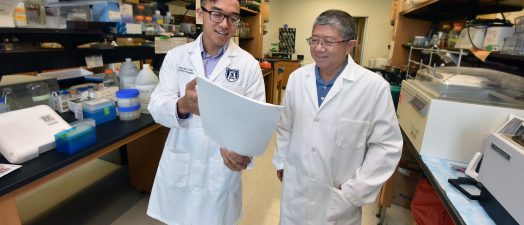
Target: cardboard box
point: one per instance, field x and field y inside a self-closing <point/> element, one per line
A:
<point x="405" y="186"/>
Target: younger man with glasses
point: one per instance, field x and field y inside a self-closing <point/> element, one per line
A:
<point x="338" y="138"/>
<point x="197" y="181"/>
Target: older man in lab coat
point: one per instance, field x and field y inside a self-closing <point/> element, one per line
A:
<point x="338" y="139"/>
<point x="197" y="181"/>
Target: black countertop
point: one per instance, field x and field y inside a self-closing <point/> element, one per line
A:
<point x="50" y="161"/>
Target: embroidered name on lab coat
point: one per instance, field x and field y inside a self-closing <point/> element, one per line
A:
<point x="232" y="74"/>
<point x="185" y="70"/>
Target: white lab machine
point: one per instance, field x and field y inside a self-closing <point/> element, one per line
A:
<point x="501" y="173"/>
<point x="26" y="133"/>
<point x="447" y="112"/>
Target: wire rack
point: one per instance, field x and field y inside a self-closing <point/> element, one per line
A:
<point x="445" y="54"/>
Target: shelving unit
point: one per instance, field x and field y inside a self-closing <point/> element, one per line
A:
<point x="418" y="20"/>
<point x="70" y="55"/>
<point x="254" y="43"/>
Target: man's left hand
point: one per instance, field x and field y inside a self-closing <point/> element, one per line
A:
<point x="234" y="161"/>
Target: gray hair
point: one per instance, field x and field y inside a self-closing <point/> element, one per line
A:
<point x="340" y="20"/>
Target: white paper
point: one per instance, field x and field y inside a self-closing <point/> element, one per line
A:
<point x="7" y="168"/>
<point x="236" y="122"/>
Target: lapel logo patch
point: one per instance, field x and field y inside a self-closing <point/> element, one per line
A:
<point x="232" y="74"/>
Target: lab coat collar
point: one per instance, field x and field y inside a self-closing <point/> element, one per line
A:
<point x="349" y="74"/>
<point x="196" y="58"/>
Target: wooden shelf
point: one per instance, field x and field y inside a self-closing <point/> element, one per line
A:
<point x="246" y="39"/>
<point x="244" y="12"/>
<point x="433" y="10"/>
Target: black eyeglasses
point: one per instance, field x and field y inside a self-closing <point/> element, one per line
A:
<point x="312" y="41"/>
<point x="218" y="17"/>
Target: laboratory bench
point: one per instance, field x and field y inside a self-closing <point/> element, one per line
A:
<point x="53" y="164"/>
<point x="461" y="209"/>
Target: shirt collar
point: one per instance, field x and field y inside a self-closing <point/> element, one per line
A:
<point x="332" y="81"/>
<point x="205" y="55"/>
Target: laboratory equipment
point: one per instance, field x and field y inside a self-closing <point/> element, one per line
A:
<point x="39" y="93"/>
<point x="127" y="97"/>
<point x="19" y="85"/>
<point x="145" y="82"/>
<point x="446" y="112"/>
<point x="110" y="79"/>
<point x="80" y="135"/>
<point x="100" y="110"/>
<point x="129" y="113"/>
<point x="501" y="173"/>
<point x="128" y="73"/>
<point x="26" y="133"/>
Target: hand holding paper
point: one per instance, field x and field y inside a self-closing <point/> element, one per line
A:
<point x="234" y="121"/>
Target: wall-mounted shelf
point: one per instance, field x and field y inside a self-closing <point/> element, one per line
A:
<point x="246" y="38"/>
<point x="460" y="9"/>
<point x="513" y="64"/>
<point x="245" y="12"/>
<point x="34" y="58"/>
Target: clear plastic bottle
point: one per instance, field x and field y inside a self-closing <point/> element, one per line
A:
<point x="128" y="73"/>
<point x="159" y="19"/>
<point x="39" y="93"/>
<point x="454" y="34"/>
<point x="10" y="99"/>
<point x="149" y="26"/>
<point x="110" y="79"/>
<point x="145" y="82"/>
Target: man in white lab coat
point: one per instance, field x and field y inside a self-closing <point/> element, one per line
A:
<point x="338" y="139"/>
<point x="197" y="181"/>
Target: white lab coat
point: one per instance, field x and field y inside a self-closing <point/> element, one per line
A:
<point x="192" y="185"/>
<point x="335" y="157"/>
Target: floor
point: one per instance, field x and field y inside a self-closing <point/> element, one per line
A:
<point x="99" y="193"/>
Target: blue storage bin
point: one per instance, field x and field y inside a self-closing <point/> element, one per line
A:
<point x="100" y="110"/>
<point x="80" y="136"/>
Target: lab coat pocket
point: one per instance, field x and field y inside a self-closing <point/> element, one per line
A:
<point x="179" y="168"/>
<point x="339" y="209"/>
<point x="220" y="177"/>
<point x="351" y="134"/>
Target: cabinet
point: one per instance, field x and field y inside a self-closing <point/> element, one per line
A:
<point x="287" y="67"/>
<point x="144" y="155"/>
<point x="254" y="43"/>
<point x="418" y="20"/>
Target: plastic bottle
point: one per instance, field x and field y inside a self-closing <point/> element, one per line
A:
<point x="128" y="73"/>
<point x="149" y="26"/>
<point x="110" y="79"/>
<point x="145" y="82"/>
<point x="454" y="34"/>
<point x="19" y="15"/>
<point x="159" y="19"/>
<point x="10" y="99"/>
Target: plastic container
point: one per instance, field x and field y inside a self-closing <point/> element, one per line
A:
<point x="128" y="73"/>
<point x="39" y="93"/>
<point x="129" y="113"/>
<point x="100" y="110"/>
<point x="3" y="107"/>
<point x="81" y="135"/>
<point x="110" y="79"/>
<point x="145" y="82"/>
<point x="127" y="97"/>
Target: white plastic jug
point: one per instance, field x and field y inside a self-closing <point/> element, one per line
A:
<point x="128" y="73"/>
<point x="145" y="82"/>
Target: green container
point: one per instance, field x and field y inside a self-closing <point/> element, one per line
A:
<point x="395" y="92"/>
